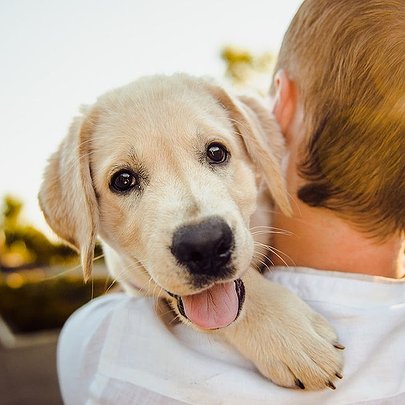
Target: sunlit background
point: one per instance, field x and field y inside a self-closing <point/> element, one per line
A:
<point x="54" y="56"/>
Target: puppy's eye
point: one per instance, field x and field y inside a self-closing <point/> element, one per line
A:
<point x="123" y="181"/>
<point x="217" y="153"/>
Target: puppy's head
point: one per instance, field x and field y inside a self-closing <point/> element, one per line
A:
<point x="166" y="171"/>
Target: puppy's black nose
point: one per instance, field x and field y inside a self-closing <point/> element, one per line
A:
<point x="204" y="248"/>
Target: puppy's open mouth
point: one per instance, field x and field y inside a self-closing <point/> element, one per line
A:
<point x="215" y="307"/>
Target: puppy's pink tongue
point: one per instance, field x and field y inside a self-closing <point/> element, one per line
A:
<point x="214" y="308"/>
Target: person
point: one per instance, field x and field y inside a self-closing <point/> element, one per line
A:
<point x="338" y="96"/>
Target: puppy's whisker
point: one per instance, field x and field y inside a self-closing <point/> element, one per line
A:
<point x="261" y="254"/>
<point x="151" y="284"/>
<point x="133" y="267"/>
<point x="72" y="269"/>
<point x="268" y="227"/>
<point x="110" y="286"/>
<point x="264" y="256"/>
<point x="176" y="318"/>
<point x="270" y="233"/>
<point x="157" y="293"/>
<point x="150" y="288"/>
<point x="265" y="226"/>
<point x="276" y="252"/>
<point x="264" y="264"/>
<point x="127" y="273"/>
<point x="262" y="244"/>
<point x="280" y="257"/>
<point x="169" y="311"/>
<point x="98" y="257"/>
<point x="62" y="273"/>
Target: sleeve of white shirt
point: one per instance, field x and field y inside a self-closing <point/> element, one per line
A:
<point x="117" y="350"/>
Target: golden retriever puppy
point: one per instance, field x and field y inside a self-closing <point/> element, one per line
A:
<point x="172" y="173"/>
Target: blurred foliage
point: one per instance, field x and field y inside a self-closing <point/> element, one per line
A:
<point x="247" y="70"/>
<point x="23" y="246"/>
<point x="41" y="282"/>
<point x="32" y="306"/>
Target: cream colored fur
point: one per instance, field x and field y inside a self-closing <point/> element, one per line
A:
<point x="159" y="127"/>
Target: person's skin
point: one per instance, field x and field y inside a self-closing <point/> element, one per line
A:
<point x="317" y="237"/>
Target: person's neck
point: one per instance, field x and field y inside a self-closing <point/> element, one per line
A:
<point x="317" y="238"/>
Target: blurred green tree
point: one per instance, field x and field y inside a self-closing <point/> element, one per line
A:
<point x="33" y="295"/>
<point x="245" y="69"/>
<point x="22" y="245"/>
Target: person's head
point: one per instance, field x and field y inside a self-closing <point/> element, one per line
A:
<point x="342" y="68"/>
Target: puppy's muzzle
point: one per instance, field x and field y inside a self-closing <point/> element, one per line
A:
<point x="205" y="248"/>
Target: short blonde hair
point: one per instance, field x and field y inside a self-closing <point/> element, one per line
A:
<point x="347" y="58"/>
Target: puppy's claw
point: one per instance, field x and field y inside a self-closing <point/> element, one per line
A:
<point x="339" y="346"/>
<point x="331" y="385"/>
<point x="299" y="384"/>
<point x="338" y="375"/>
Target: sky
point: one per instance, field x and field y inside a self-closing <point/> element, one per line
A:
<point x="59" y="54"/>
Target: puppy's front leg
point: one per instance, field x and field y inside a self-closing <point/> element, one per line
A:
<point x="287" y="341"/>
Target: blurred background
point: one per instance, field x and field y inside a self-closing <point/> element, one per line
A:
<point x="55" y="56"/>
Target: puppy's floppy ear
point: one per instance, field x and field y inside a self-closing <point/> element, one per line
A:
<point x="67" y="196"/>
<point x="262" y="138"/>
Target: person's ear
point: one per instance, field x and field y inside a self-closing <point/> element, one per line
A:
<point x="285" y="101"/>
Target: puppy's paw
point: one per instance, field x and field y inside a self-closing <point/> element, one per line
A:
<point x="287" y="341"/>
<point x="307" y="357"/>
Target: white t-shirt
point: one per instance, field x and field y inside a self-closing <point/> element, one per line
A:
<point x="117" y="350"/>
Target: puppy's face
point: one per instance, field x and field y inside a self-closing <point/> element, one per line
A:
<point x="162" y="170"/>
<point x="174" y="184"/>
